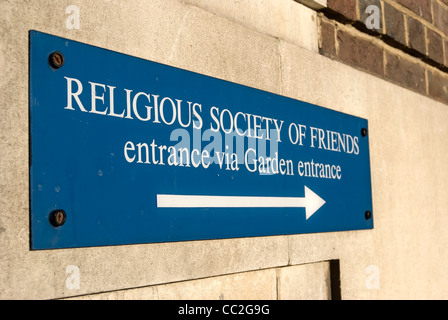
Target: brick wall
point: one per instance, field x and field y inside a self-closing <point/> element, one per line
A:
<point x="402" y="41"/>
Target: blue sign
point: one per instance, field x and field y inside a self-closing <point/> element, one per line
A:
<point x="126" y="151"/>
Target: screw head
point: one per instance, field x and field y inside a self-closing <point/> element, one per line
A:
<point x="368" y="215"/>
<point x="364" y="132"/>
<point x="56" y="60"/>
<point x="57" y="218"/>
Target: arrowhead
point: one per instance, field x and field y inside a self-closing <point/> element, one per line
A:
<point x="312" y="202"/>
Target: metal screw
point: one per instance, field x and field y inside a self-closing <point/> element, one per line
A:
<point x="56" y="60"/>
<point x="364" y="132"/>
<point x="368" y="215"/>
<point x="57" y="218"/>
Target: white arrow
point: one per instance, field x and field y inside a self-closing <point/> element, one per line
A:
<point x="311" y="202"/>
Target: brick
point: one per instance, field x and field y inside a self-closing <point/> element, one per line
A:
<point x="416" y="35"/>
<point x="327" y="43"/>
<point x="360" y="53"/>
<point x="369" y="15"/>
<point x="347" y="8"/>
<point x="405" y="72"/>
<point x="435" y="46"/>
<point x="438" y="85"/>
<point x="440" y="17"/>
<point x="446" y="52"/>
<point x="420" y="7"/>
<point x="394" y="24"/>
